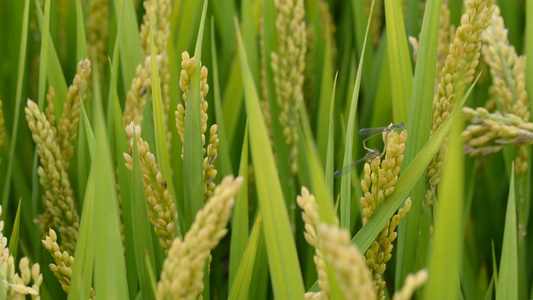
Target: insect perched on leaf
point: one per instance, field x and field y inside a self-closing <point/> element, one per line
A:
<point x="372" y="153"/>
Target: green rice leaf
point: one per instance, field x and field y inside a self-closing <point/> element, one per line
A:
<point x="14" y="239"/>
<point x="399" y="61"/>
<point x="362" y="21"/>
<point x="129" y="39"/>
<point x="54" y="71"/>
<point x="325" y="100"/>
<point x="239" y="218"/>
<point x="109" y="266"/>
<point x="82" y="272"/>
<point x="124" y="175"/>
<point x="331" y="138"/>
<point x="490" y="289"/>
<point x="346" y="189"/>
<point x="241" y="285"/>
<point x="186" y="20"/>
<point x="160" y="131"/>
<point x="81" y="282"/>
<point x="223" y="147"/>
<point x="507" y="287"/>
<point x="223" y="12"/>
<point x="318" y="187"/>
<point x="81" y="47"/>
<point x="418" y="128"/>
<point x="192" y="152"/>
<point x="286" y="278"/>
<point x="379" y="107"/>
<point x="150" y="270"/>
<point x="445" y="257"/>
<point x="85" y="149"/>
<point x="250" y="31"/>
<point x="83" y="158"/>
<point x="18" y="99"/>
<point x="44" y="57"/>
<point x="232" y="100"/>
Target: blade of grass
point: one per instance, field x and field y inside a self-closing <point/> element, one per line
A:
<point x="260" y="282"/>
<point x="192" y="153"/>
<point x="320" y="190"/>
<point x="223" y="147"/>
<point x="150" y="271"/>
<point x="494" y="266"/>
<point x="250" y="36"/>
<point x="177" y="163"/>
<point x="44" y="56"/>
<point x="43" y="64"/>
<point x="14" y="239"/>
<point x="81" y="40"/>
<point x="82" y="271"/>
<point x="124" y="175"/>
<point x="346" y="189"/>
<point x="444" y="261"/>
<point x="399" y="61"/>
<point x="418" y="127"/>
<point x="318" y="187"/>
<point x="223" y="12"/>
<point x="326" y="98"/>
<point x="380" y="109"/>
<point x="413" y="17"/>
<point x="18" y="99"/>
<point x="81" y="280"/>
<point x="54" y="71"/>
<point x="240" y="287"/>
<point x="322" y="195"/>
<point x="82" y="160"/>
<point x="187" y="18"/>
<point x="160" y="131"/>
<point x="362" y="21"/>
<point x="109" y="270"/>
<point x="89" y="135"/>
<point x="331" y="138"/>
<point x="239" y="218"/>
<point x="232" y="100"/>
<point x="489" y="294"/>
<point x="129" y="39"/>
<point x="508" y="273"/>
<point x="286" y="277"/>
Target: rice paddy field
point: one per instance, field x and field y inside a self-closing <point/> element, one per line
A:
<point x="266" y="149"/>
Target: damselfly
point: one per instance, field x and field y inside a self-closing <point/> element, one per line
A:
<point x="372" y="153"/>
<point x="368" y="157"/>
<point x="379" y="130"/>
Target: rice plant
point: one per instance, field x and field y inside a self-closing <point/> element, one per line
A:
<point x="266" y="149"/>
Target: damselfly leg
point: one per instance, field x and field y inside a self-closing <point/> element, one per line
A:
<point x="374" y="131"/>
<point x="373" y="153"/>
